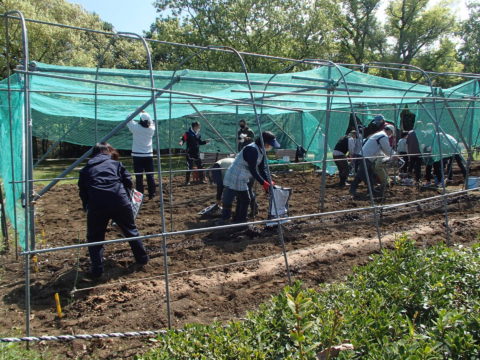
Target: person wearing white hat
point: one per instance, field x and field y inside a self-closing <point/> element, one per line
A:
<point x="142" y="152"/>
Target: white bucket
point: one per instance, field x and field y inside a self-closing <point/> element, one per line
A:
<point x="473" y="182"/>
<point x="202" y="156"/>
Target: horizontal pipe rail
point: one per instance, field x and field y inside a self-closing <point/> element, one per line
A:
<point x="239" y="225"/>
<point x="182" y="171"/>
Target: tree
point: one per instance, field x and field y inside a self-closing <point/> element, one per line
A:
<point x="469" y="52"/>
<point x="288" y="28"/>
<point x="413" y="27"/>
<point x="359" y="32"/>
<point x="442" y="58"/>
<point x="61" y="46"/>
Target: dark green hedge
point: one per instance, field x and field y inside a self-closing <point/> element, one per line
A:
<point x="407" y="303"/>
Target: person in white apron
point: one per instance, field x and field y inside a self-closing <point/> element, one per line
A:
<point x="249" y="165"/>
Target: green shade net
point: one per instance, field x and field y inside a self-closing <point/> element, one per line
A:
<point x="12" y="161"/>
<point x="64" y="107"/>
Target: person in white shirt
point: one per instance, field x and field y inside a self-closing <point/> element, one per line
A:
<point x="142" y="152"/>
<point x="376" y="145"/>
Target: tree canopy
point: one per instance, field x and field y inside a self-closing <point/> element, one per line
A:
<point x="63" y="46"/>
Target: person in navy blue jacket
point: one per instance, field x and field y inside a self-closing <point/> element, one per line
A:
<point x="193" y="139"/>
<point x="104" y="186"/>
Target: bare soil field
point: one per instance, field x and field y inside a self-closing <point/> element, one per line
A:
<point x="203" y="286"/>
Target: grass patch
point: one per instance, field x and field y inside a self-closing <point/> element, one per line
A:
<point x="14" y="351"/>
<point x="407" y="303"/>
<point x="53" y="168"/>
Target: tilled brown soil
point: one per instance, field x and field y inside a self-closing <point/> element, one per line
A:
<point x="203" y="286"/>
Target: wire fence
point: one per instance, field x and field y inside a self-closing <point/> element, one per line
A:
<point x="376" y="210"/>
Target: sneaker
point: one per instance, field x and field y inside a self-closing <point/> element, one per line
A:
<point x="151" y="196"/>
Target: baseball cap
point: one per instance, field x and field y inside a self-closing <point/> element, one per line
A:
<point x="269" y="138"/>
<point x="379" y="119"/>
<point x="390" y="127"/>
<point x="145" y="116"/>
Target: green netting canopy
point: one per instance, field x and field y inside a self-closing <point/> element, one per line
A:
<point x="66" y="106"/>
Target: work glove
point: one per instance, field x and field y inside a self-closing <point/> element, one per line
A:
<point x="266" y="185"/>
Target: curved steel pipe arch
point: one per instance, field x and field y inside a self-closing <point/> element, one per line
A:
<point x="267" y="168"/>
<point x="437" y="130"/>
<point x="28" y="169"/>
<point x="159" y="171"/>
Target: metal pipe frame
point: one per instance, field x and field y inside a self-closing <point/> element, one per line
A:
<point x="170" y="184"/>
<point x="325" y="143"/>
<point x="97" y="70"/>
<point x="283" y="131"/>
<point x="364" y="161"/>
<point x="313" y="162"/>
<point x="159" y="170"/>
<point x="10" y="119"/>
<point x="437" y="126"/>
<point x="155" y="93"/>
<point x="105" y="138"/>
<point x="52" y="147"/>
<point x="244" y="53"/>
<point x="203" y="117"/>
<point x="27" y="169"/>
<point x="291" y="93"/>
<point x="149" y="89"/>
<point x="237" y="225"/>
<point x="265" y="159"/>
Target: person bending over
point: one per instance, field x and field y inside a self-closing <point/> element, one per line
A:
<point x="104" y="186"/>
<point x="217" y="173"/>
<point x="249" y="165"/>
<point x="375" y="146"/>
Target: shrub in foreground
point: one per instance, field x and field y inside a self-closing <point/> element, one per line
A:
<point x="406" y="303"/>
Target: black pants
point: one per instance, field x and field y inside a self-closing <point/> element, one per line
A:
<point x="192" y="163"/>
<point x="362" y="175"/>
<point x="437" y="171"/>
<point x="415" y="165"/>
<point x="216" y="178"/>
<point x="140" y="165"/>
<point x="343" y="169"/>
<point x="97" y="221"/>
<point x="241" y="210"/>
<point x="458" y="159"/>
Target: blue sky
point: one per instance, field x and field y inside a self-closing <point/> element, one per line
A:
<point x="124" y="15"/>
